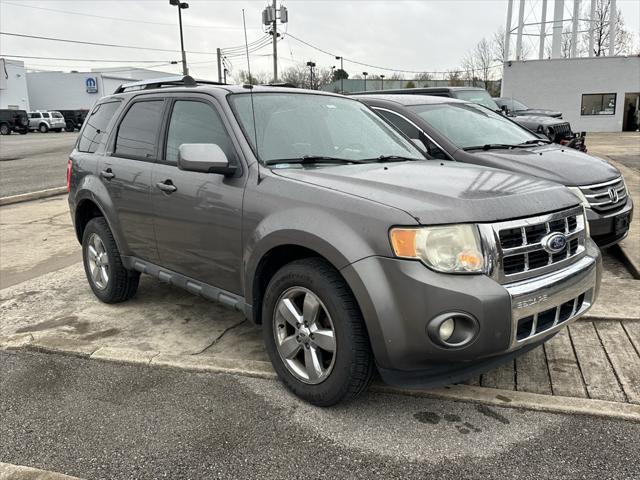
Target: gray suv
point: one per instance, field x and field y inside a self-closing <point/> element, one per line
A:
<point x="316" y="219"/>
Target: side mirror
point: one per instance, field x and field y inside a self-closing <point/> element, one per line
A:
<point x="505" y="109"/>
<point x="204" y="158"/>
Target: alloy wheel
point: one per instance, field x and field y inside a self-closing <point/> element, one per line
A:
<point x="98" y="262"/>
<point x="304" y="335"/>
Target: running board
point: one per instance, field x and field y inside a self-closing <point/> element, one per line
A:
<point x="196" y="287"/>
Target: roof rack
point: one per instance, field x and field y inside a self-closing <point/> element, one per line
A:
<point x="185" y="81"/>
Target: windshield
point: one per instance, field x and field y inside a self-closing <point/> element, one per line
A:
<point x="516" y="105"/>
<point x="481" y="97"/>
<point x="56" y="115"/>
<point x="470" y="125"/>
<point x="296" y="125"/>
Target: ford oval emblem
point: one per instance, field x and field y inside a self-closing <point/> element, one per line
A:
<point x="554" y="242"/>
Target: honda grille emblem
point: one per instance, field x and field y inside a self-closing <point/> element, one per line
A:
<point x="613" y="195"/>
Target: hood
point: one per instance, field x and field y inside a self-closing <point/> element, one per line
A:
<point x="567" y="166"/>
<point x="537" y="120"/>
<point x="435" y="193"/>
<point x="540" y="112"/>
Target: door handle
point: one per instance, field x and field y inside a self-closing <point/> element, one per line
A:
<point x="107" y="174"/>
<point x="167" y="186"/>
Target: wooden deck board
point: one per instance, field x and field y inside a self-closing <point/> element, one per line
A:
<point x="566" y="378"/>
<point x="532" y="373"/>
<point x="502" y="377"/>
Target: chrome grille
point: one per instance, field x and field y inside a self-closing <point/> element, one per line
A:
<point x="543" y="321"/>
<point x="561" y="131"/>
<point x="519" y="250"/>
<point x="606" y="197"/>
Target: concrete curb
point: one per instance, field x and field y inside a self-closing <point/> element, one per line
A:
<point x="17" y="472"/>
<point x="259" y="369"/>
<point x="25" y="197"/>
<point x="630" y="263"/>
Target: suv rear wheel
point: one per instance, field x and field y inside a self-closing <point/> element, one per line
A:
<point x="315" y="334"/>
<point x="109" y="280"/>
<point x="70" y="126"/>
<point x="43" y="128"/>
<point x="4" y="129"/>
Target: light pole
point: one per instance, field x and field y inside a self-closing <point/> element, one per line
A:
<point x="364" y="74"/>
<point x="311" y="65"/>
<point x="341" y="74"/>
<point x="181" y="6"/>
<point x="381" y="82"/>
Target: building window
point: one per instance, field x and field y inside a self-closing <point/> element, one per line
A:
<point x="598" y="104"/>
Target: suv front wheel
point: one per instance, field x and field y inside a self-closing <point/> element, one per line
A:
<point x="109" y="280"/>
<point x="315" y="334"/>
<point x="43" y="128"/>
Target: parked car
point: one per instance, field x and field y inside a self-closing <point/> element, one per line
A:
<point x="321" y="222"/>
<point x="452" y="129"/>
<point x="517" y="108"/>
<point x="556" y="130"/>
<point x="43" y="121"/>
<point x="13" y="121"/>
<point x="73" y="119"/>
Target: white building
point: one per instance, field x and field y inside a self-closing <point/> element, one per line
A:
<point x="80" y="90"/>
<point x="13" y="85"/>
<point x="593" y="93"/>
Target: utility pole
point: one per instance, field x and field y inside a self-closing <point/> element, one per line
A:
<point x="613" y="18"/>
<point x="341" y="74"/>
<point x="574" y="28"/>
<point x="507" y="32"/>
<point x="275" y="43"/>
<point x="181" y="6"/>
<point x="225" y="75"/>
<point x="543" y="30"/>
<point x="364" y="74"/>
<point x="381" y="82"/>
<point x="219" y="55"/>
<point x="270" y="18"/>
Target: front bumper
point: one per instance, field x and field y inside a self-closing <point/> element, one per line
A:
<point x="607" y="230"/>
<point x="399" y="298"/>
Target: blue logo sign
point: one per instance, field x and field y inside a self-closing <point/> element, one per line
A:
<point x="92" y="84"/>
<point x="554" y="243"/>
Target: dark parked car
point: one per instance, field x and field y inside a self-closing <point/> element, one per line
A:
<point x="73" y="119"/>
<point x="556" y="130"/>
<point x="517" y="108"/>
<point x="455" y="130"/>
<point x="13" y="121"/>
<point x="321" y="222"/>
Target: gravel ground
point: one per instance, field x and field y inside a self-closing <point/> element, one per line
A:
<point x="100" y="420"/>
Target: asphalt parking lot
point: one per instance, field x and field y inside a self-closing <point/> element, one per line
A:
<point x="32" y="162"/>
<point x="82" y="381"/>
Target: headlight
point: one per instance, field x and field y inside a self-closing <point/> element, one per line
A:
<point x="578" y="193"/>
<point x="448" y="249"/>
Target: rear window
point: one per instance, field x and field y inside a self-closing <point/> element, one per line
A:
<point x="94" y="130"/>
<point x="480" y="97"/>
<point x="56" y="115"/>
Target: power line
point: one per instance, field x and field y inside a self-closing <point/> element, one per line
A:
<point x="376" y="66"/>
<point x="80" y="59"/>
<point x="120" y="19"/>
<point x="22" y="35"/>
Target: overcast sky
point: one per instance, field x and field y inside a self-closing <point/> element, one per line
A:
<point x="428" y="35"/>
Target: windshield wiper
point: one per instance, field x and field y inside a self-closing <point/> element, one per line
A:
<point x="309" y="159"/>
<point x="490" y="146"/>
<point x="534" y="141"/>
<point x="390" y="158"/>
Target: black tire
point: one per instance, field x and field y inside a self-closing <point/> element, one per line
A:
<point x="4" y="129"/>
<point x="57" y="130"/>
<point x="70" y="127"/>
<point x="353" y="365"/>
<point x="43" y="128"/>
<point x="122" y="284"/>
<point x="24" y="132"/>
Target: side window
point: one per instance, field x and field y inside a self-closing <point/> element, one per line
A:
<point x="94" y="130"/>
<point x="35" y="115"/>
<point x="196" y="122"/>
<point x="138" y="132"/>
<point x="401" y="124"/>
<point x="45" y="115"/>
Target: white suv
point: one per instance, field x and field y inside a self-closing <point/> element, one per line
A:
<point x="44" y="121"/>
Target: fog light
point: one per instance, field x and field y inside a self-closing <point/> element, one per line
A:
<point x="446" y="329"/>
<point x="453" y="329"/>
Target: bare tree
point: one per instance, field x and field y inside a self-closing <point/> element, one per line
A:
<point x="255" y="78"/>
<point x="477" y="63"/>
<point x="300" y="76"/>
<point x="396" y="76"/>
<point x="497" y="46"/>
<point x="454" y="77"/>
<point x="623" y="40"/>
